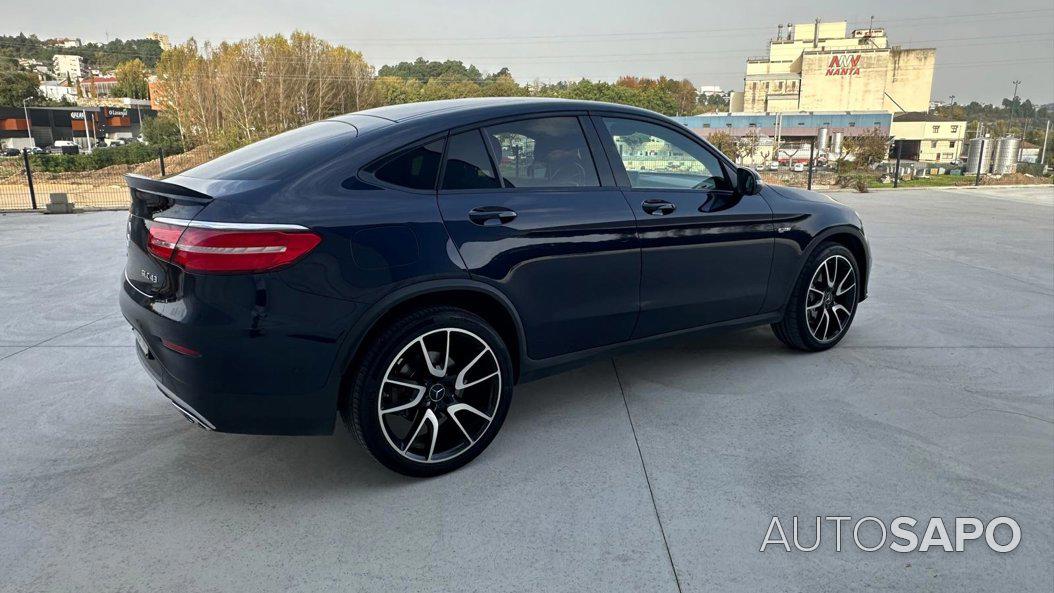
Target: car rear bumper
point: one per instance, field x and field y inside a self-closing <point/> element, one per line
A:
<point x="262" y="380"/>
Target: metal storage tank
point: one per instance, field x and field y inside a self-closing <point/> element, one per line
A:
<point x="975" y="157"/>
<point x="1005" y="159"/>
<point x="821" y="140"/>
<point x="836" y="143"/>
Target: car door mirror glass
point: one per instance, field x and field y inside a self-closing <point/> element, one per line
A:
<point x="748" y="182"/>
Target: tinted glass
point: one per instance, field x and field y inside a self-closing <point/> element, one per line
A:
<point x="658" y="157"/>
<point x="467" y="163"/>
<point x="415" y="169"/>
<point x="276" y="157"/>
<point x="546" y="152"/>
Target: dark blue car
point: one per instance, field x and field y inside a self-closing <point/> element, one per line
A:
<point x="406" y="266"/>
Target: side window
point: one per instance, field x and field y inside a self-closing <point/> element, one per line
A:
<point x="415" y="169"/>
<point x="468" y="165"/>
<point x="658" y="157"/>
<point x="544" y="152"/>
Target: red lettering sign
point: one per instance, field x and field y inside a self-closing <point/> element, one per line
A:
<point x="844" y="65"/>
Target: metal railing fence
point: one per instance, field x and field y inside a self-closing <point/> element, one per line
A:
<point x="28" y="180"/>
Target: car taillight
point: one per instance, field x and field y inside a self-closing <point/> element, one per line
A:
<point x="205" y="250"/>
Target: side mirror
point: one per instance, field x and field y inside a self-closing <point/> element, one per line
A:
<point x="748" y="182"/>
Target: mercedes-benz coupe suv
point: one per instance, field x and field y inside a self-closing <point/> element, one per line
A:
<point x="405" y="266"/>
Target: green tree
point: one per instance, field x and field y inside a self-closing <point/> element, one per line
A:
<point x="162" y="131"/>
<point x="131" y="80"/>
<point x="16" y="86"/>
<point x="726" y="143"/>
<point x="868" y="148"/>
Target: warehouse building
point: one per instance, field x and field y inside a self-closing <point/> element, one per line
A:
<point x="928" y="137"/>
<point x="792" y="133"/>
<point x="79" y="124"/>
<point x="820" y="67"/>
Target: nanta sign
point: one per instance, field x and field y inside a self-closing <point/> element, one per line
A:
<point x="844" y="65"/>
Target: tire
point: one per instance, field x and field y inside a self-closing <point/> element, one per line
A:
<point x="423" y="417"/>
<point x="803" y="326"/>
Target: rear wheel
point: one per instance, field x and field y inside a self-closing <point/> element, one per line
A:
<point x="431" y="392"/>
<point x="823" y="304"/>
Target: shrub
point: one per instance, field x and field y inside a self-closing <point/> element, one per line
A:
<point x="129" y="154"/>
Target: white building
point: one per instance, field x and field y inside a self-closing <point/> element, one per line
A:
<point x="710" y="90"/>
<point x="58" y="90"/>
<point x="67" y="65"/>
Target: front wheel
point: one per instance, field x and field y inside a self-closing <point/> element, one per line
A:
<point x="431" y="392"/>
<point x="823" y="304"/>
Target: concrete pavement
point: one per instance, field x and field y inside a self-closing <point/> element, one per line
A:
<point x="656" y="471"/>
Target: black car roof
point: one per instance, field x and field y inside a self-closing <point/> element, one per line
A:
<point x="489" y="107"/>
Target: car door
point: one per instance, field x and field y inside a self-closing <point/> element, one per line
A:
<point x="706" y="249"/>
<point x="559" y="243"/>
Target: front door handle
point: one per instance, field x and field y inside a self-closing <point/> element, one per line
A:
<point x="657" y="207"/>
<point x="491" y="215"/>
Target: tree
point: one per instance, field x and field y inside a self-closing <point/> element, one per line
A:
<point x="16" y="86"/>
<point x="131" y="80"/>
<point x="726" y="143"/>
<point x="162" y="131"/>
<point x="749" y="144"/>
<point x="867" y="149"/>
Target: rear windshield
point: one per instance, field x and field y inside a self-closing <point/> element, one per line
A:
<point x="277" y="156"/>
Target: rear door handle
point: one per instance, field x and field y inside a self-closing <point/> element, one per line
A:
<point x="658" y="207"/>
<point x="491" y="215"/>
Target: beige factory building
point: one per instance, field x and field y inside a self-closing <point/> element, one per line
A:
<point x="821" y="67"/>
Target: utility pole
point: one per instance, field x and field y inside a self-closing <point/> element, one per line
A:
<point x="980" y="161"/>
<point x="87" y="138"/>
<point x="896" y="172"/>
<point x="812" y="150"/>
<point x="1043" y="157"/>
<point x="1013" y="108"/>
<point x="29" y="126"/>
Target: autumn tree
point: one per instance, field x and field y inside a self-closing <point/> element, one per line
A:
<point x="131" y="80"/>
<point x="867" y="149"/>
<point x="726" y="143"/>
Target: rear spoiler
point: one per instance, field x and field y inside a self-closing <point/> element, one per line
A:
<point x="165" y="189"/>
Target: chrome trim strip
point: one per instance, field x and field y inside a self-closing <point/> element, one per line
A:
<point x="129" y="281"/>
<point x="186" y="409"/>
<point x="230" y="226"/>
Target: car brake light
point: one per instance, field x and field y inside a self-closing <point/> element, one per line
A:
<point x="207" y="250"/>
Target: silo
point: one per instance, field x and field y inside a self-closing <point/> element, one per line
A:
<point x="836" y="143"/>
<point x="976" y="157"/>
<point x="1005" y="159"/>
<point x="821" y="140"/>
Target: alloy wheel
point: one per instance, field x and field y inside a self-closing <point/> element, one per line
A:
<point x="831" y="299"/>
<point x="439" y="395"/>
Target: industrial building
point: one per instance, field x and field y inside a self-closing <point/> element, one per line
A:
<point x="792" y="132"/>
<point x="820" y="67"/>
<point x="79" y="124"/>
<point x="928" y="137"/>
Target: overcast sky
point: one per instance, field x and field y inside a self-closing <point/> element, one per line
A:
<point x="979" y="49"/>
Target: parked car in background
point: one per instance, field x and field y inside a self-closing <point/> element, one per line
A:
<point x="64" y="147"/>
<point x="798" y="167"/>
<point x="774" y="166"/>
<point x="12" y="152"/>
<point x="403" y="267"/>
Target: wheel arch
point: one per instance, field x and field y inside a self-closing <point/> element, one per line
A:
<point x="476" y="297"/>
<point x="852" y="239"/>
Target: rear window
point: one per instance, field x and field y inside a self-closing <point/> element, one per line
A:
<point x="278" y="156"/>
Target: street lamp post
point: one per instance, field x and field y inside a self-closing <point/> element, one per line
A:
<point x="29" y="126"/>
